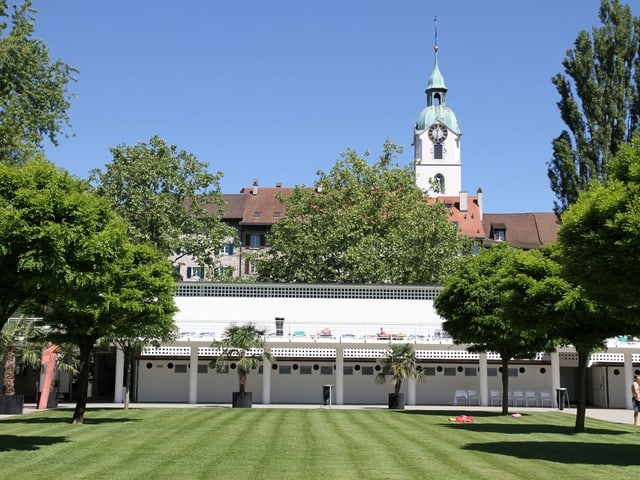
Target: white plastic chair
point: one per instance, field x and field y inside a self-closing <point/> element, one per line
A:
<point x="495" y="398"/>
<point x="545" y="397"/>
<point x="460" y="398"/>
<point x="530" y="397"/>
<point x="518" y="398"/>
<point x="472" y="397"/>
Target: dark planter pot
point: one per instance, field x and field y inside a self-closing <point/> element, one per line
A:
<point x="242" y="400"/>
<point x="11" y="404"/>
<point x="396" y="401"/>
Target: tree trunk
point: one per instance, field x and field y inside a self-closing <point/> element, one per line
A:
<point x="581" y="390"/>
<point x="242" y="379"/>
<point x="9" y="378"/>
<point x="505" y="384"/>
<point x="86" y="346"/>
<point x="128" y="358"/>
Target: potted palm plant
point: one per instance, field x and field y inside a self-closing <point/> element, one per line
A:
<point x="16" y="345"/>
<point x="244" y="346"/>
<point x="399" y="362"/>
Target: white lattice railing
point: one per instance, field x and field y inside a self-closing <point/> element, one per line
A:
<point x="254" y="290"/>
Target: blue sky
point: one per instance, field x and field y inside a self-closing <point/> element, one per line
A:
<point x="276" y="90"/>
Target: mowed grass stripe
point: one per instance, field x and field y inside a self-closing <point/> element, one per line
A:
<point x="307" y="444"/>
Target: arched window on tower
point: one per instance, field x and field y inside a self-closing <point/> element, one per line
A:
<point x="438" y="183"/>
<point x="438" y="151"/>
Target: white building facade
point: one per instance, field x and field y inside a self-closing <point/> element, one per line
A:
<point x="333" y="334"/>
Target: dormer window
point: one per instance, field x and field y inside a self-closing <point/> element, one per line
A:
<point x="499" y="232"/>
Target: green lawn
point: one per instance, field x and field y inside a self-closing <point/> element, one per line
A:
<point x="284" y="443"/>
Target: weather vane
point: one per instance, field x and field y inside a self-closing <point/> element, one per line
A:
<point x="435" y="27"/>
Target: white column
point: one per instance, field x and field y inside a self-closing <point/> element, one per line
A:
<point x="628" y="377"/>
<point x="339" y="387"/>
<point x="193" y="375"/>
<point x="119" y="389"/>
<point x="266" y="380"/>
<point x="555" y="376"/>
<point x="411" y="391"/>
<point x="484" y="380"/>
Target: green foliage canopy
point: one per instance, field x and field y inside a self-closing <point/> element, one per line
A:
<point x="599" y="102"/>
<point x="482" y="306"/>
<point x="362" y="224"/>
<point x="168" y="198"/>
<point x="33" y="89"/>
<point x="599" y="239"/>
<point x="54" y="234"/>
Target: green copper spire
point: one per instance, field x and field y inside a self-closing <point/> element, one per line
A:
<point x="437" y="110"/>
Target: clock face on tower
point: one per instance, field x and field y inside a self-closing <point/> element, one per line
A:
<point x="437" y="133"/>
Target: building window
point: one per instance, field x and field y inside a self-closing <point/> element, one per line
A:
<point x="438" y="152"/>
<point x="226" y="249"/>
<point x="470" y="372"/>
<point x="305" y="369"/>
<point x="367" y="370"/>
<point x="347" y="370"/>
<point x="284" y="369"/>
<point x="449" y="372"/>
<point x="326" y="370"/>
<point x="499" y="231"/>
<point x="255" y="240"/>
<point x="195" y="273"/>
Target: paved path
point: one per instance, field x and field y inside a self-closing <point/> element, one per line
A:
<point x="610" y="415"/>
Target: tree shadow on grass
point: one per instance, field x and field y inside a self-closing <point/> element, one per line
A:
<point x="25" y="442"/>
<point x="563" y="452"/>
<point x="514" y="426"/>
<point x="525" y="428"/>
<point x="66" y="416"/>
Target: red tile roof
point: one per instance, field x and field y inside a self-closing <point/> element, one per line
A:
<point x="261" y="208"/>
<point x="469" y="221"/>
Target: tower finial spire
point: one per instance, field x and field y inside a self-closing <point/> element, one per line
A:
<point x="435" y="27"/>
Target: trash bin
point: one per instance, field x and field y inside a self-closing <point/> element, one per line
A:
<point x="561" y="397"/>
<point x="326" y="394"/>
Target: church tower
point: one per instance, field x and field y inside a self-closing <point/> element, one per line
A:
<point x="436" y="139"/>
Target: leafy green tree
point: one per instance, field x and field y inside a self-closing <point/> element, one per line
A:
<point x="539" y="296"/>
<point x="600" y="237"/>
<point x="362" y="224"/>
<point x="599" y="250"/>
<point x="33" y="89"/>
<point x="480" y="305"/>
<point x="112" y="305"/>
<point x="53" y="233"/>
<point x="599" y="102"/>
<point x="168" y="197"/>
<point x="399" y="362"/>
<point x="143" y="311"/>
